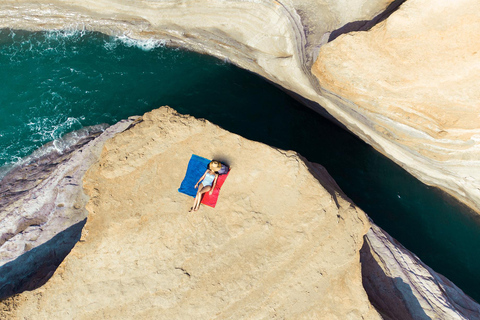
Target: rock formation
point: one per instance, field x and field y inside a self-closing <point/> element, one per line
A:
<point x="41" y="198"/>
<point x="407" y="87"/>
<point x="277" y="245"/>
<point x="361" y="79"/>
<point x="401" y="286"/>
<point x="412" y="80"/>
<point x="283" y="241"/>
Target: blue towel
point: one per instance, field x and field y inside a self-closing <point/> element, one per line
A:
<point x="195" y="170"/>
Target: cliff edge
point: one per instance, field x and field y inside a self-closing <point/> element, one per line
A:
<point x="413" y="80"/>
<point x="277" y="245"/>
<point x="283" y="241"/>
<point x="407" y="86"/>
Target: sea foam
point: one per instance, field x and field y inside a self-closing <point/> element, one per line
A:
<point x="143" y="44"/>
<point x="58" y="145"/>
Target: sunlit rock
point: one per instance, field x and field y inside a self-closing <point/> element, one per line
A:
<point x="277" y="245"/>
<point x="410" y="87"/>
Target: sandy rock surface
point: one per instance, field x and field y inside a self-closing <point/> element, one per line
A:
<point x="276" y="39"/>
<point x="413" y="81"/>
<point x="42" y="197"/>
<point x="283" y="241"/>
<point x="401" y="286"/>
<point x="407" y="87"/>
<point x="278" y="244"/>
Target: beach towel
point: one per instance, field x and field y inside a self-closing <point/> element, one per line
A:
<point x="196" y="168"/>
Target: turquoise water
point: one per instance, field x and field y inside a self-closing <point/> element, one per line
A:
<point x="57" y="82"/>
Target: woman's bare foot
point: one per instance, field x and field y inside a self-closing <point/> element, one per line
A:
<point x="191" y="209"/>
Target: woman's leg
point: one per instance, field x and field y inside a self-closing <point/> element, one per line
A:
<point x="198" y="198"/>
<point x="196" y="201"/>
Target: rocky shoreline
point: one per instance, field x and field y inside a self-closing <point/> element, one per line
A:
<point x="42" y="197"/>
<point x="285" y="41"/>
<point x="387" y="271"/>
<point x="359" y="78"/>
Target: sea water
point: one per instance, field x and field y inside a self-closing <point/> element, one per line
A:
<point x="57" y="82"/>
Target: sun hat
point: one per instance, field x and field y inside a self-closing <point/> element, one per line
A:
<point x="214" y="165"/>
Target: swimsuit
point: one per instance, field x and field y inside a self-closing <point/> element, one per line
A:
<point x="208" y="180"/>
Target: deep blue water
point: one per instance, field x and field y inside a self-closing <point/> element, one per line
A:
<point x="56" y="82"/>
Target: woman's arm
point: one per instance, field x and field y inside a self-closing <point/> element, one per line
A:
<point x="214" y="184"/>
<point x="196" y="185"/>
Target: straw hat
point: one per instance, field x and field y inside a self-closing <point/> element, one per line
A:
<point x="214" y="165"/>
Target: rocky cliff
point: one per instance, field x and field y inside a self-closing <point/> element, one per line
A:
<point x="401" y="286"/>
<point x="407" y="87"/>
<point x="42" y="208"/>
<point x="412" y="80"/>
<point x="283" y="241"/>
<point x="278" y="244"/>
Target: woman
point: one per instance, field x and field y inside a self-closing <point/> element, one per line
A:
<point x="218" y="167"/>
<point x="209" y="181"/>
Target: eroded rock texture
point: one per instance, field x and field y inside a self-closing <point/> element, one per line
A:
<point x="283" y="241"/>
<point x="277" y="245"/>
<point x="407" y="87"/>
<point x="42" y="207"/>
<point x="413" y="82"/>
<point x="401" y="286"/>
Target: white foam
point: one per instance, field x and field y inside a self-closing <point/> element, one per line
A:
<point x="144" y="44"/>
<point x="45" y="129"/>
<point x="59" y="145"/>
<point x="76" y="31"/>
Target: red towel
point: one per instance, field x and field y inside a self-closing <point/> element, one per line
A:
<point x="211" y="200"/>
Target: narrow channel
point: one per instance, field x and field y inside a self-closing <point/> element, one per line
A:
<point x="57" y="82"/>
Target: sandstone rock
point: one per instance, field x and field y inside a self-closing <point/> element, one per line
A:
<point x="430" y="131"/>
<point x="283" y="241"/>
<point x="278" y="244"/>
<point x="276" y="39"/>
<point x="410" y="87"/>
<point x="41" y="198"/>
<point x="401" y="286"/>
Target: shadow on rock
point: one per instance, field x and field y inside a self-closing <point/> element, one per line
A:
<point x="365" y="25"/>
<point x="392" y="297"/>
<point x="32" y="269"/>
